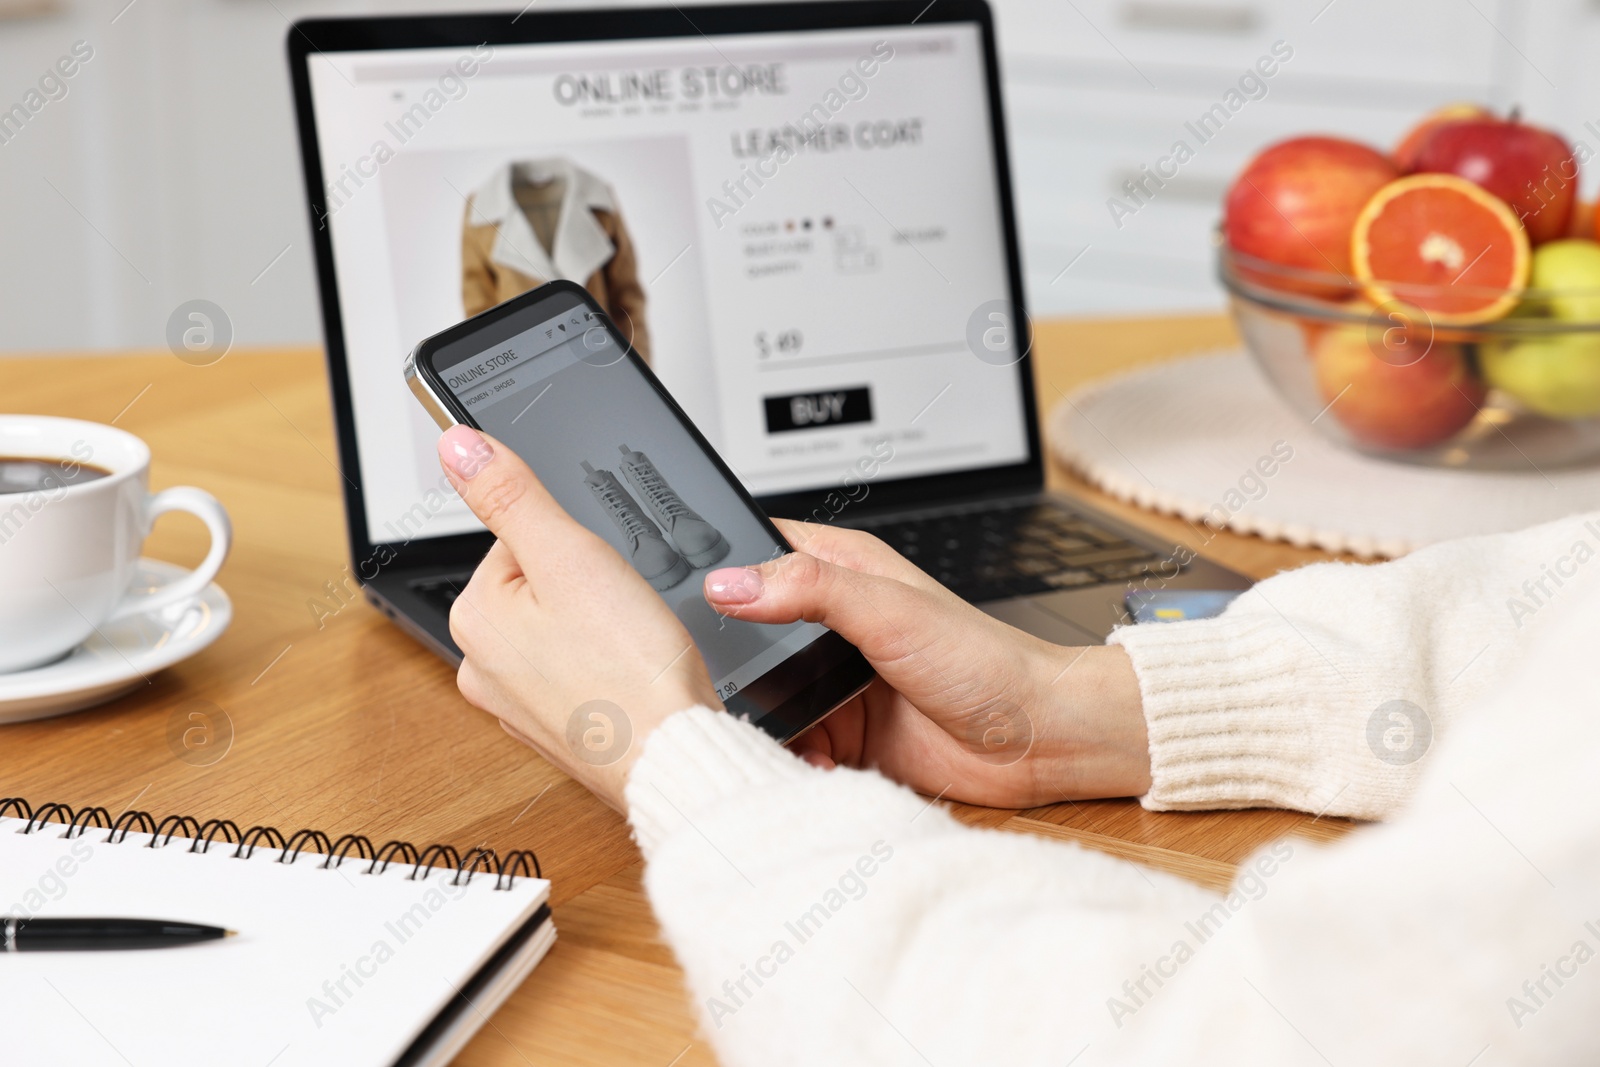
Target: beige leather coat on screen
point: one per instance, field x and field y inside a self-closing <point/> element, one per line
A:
<point x="534" y="220"/>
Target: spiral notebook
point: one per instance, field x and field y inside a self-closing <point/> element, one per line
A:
<point x="346" y="953"/>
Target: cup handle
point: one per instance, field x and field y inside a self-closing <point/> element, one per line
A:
<point x="204" y="506"/>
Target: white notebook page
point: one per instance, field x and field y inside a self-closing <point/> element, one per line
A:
<point x="331" y="966"/>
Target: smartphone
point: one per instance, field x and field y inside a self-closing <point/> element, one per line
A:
<point x="549" y="375"/>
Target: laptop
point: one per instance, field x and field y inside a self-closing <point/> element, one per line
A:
<point x="799" y="213"/>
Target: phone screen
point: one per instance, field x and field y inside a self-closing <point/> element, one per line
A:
<point x="553" y="383"/>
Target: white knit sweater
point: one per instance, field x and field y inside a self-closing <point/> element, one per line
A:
<point x="833" y="917"/>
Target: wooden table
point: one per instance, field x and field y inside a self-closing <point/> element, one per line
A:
<point x="342" y="723"/>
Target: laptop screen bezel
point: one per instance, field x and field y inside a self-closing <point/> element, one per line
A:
<point x="384" y="33"/>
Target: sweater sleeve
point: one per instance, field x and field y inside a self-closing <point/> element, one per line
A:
<point x="832" y="917"/>
<point x="1323" y="689"/>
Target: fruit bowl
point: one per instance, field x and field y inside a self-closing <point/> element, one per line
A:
<point x="1519" y="393"/>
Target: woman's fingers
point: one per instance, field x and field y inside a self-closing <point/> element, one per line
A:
<point x="837" y="739"/>
<point x="483" y="599"/>
<point x="815" y="747"/>
<point x="855" y="550"/>
<point x="886" y="619"/>
<point x="506" y="496"/>
<point x="497" y="568"/>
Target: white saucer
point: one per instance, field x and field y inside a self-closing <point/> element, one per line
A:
<point x="122" y="655"/>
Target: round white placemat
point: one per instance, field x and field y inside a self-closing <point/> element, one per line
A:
<point x="1208" y="439"/>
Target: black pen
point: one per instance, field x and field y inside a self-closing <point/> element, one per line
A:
<point x="59" y="935"/>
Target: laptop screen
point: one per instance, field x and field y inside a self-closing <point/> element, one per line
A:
<point x="800" y="232"/>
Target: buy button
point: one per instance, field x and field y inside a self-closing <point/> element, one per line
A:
<point x="810" y="411"/>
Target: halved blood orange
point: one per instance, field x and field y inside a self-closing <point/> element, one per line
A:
<point x="1442" y="245"/>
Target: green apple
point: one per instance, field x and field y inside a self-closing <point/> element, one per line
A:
<point x="1569" y="271"/>
<point x="1558" y="376"/>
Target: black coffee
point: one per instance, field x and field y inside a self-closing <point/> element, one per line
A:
<point x="38" y="474"/>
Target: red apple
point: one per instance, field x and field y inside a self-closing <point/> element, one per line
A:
<point x="1584" y="220"/>
<point x="1405" y="153"/>
<point x="1296" y="203"/>
<point x="1529" y="168"/>
<point x="1391" y="399"/>
<point x="1313" y="329"/>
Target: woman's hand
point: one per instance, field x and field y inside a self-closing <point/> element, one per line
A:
<point x="577" y="656"/>
<point x="964" y="706"/>
<point x="565" y="643"/>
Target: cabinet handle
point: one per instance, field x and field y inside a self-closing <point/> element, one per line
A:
<point x="1188" y="18"/>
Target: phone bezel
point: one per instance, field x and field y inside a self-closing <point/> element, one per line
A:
<point x="786" y="700"/>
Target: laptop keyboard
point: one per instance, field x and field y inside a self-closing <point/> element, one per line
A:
<point x="441" y="590"/>
<point x="980" y="553"/>
<point x="993" y="552"/>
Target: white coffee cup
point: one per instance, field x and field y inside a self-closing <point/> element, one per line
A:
<point x="68" y="549"/>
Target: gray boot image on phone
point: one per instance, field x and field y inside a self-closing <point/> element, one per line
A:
<point x="701" y="543"/>
<point x="657" y="561"/>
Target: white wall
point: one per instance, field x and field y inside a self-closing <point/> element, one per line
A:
<point x="169" y="171"/>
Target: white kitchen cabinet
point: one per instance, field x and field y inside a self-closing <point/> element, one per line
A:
<point x="171" y="172"/>
<point x="1098" y="88"/>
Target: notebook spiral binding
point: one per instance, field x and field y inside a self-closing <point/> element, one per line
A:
<point x="203" y="834"/>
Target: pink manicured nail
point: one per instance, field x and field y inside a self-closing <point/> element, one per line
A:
<point x="734" y="585"/>
<point x="464" y="451"/>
